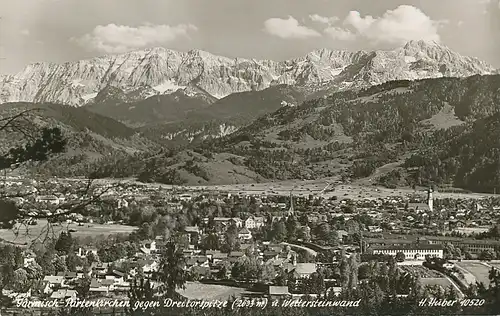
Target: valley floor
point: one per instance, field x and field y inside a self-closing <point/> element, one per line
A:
<point x="314" y="187"/>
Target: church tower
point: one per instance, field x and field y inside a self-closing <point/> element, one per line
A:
<point x="291" y="210"/>
<point x="430" y="199"/>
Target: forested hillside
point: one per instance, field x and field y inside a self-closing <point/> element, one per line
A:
<point x="469" y="160"/>
<point x="364" y="130"/>
<point x="91" y="138"/>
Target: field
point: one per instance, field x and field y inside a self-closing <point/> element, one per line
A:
<point x="307" y="187"/>
<point x="304" y="188"/>
<point x="26" y="234"/>
<point x="202" y="291"/>
<point x="477" y="269"/>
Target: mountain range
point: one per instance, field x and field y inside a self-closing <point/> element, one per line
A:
<point x="157" y="71"/>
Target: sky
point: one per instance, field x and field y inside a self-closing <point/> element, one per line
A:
<point x="68" y="30"/>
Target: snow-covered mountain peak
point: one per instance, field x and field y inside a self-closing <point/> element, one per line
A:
<point x="159" y="70"/>
<point x="422" y="44"/>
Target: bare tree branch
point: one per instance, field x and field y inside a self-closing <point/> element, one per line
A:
<point x="11" y="119"/>
<point x="32" y="211"/>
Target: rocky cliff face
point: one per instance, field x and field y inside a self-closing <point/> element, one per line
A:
<point x="142" y="74"/>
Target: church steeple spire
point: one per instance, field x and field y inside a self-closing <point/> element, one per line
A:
<point x="291" y="210"/>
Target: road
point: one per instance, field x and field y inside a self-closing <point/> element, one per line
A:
<point x="479" y="269"/>
<point x="469" y="277"/>
<point x="309" y="250"/>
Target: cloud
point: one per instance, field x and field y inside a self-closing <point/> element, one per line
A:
<point x="339" y="33"/>
<point x="396" y="26"/>
<point x="114" y="38"/>
<point x="289" y="28"/>
<point x="323" y="19"/>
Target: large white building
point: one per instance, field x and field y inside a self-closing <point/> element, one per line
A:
<point x="254" y="222"/>
<point x="411" y="251"/>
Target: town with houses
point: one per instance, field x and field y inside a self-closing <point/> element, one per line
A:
<point x="266" y="245"/>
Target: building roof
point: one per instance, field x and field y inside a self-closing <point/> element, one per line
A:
<point x="200" y="259"/>
<point x="100" y="265"/>
<point x="118" y="273"/>
<point x="63" y="293"/>
<point x="388" y="241"/>
<point x="244" y="231"/>
<point x="47" y="197"/>
<point x="219" y="255"/>
<point x="246" y="246"/>
<point x="94" y="283"/>
<point x="107" y="282"/>
<point x="462" y="240"/>
<point x="222" y="219"/>
<point x="192" y="229"/>
<point x="278" y="290"/>
<point x="256" y="218"/>
<point x="53" y="279"/>
<point x="305" y="268"/>
<point x="276" y="262"/>
<point x="408" y="247"/>
<point x="70" y="274"/>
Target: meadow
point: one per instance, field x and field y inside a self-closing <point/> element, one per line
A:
<point x="25" y="234"/>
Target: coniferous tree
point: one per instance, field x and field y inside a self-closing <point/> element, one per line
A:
<point x="172" y="274"/>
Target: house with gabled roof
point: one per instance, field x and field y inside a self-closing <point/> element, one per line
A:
<point x="99" y="268"/>
<point x="53" y="282"/>
<point x="244" y="234"/>
<point x="254" y="222"/>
